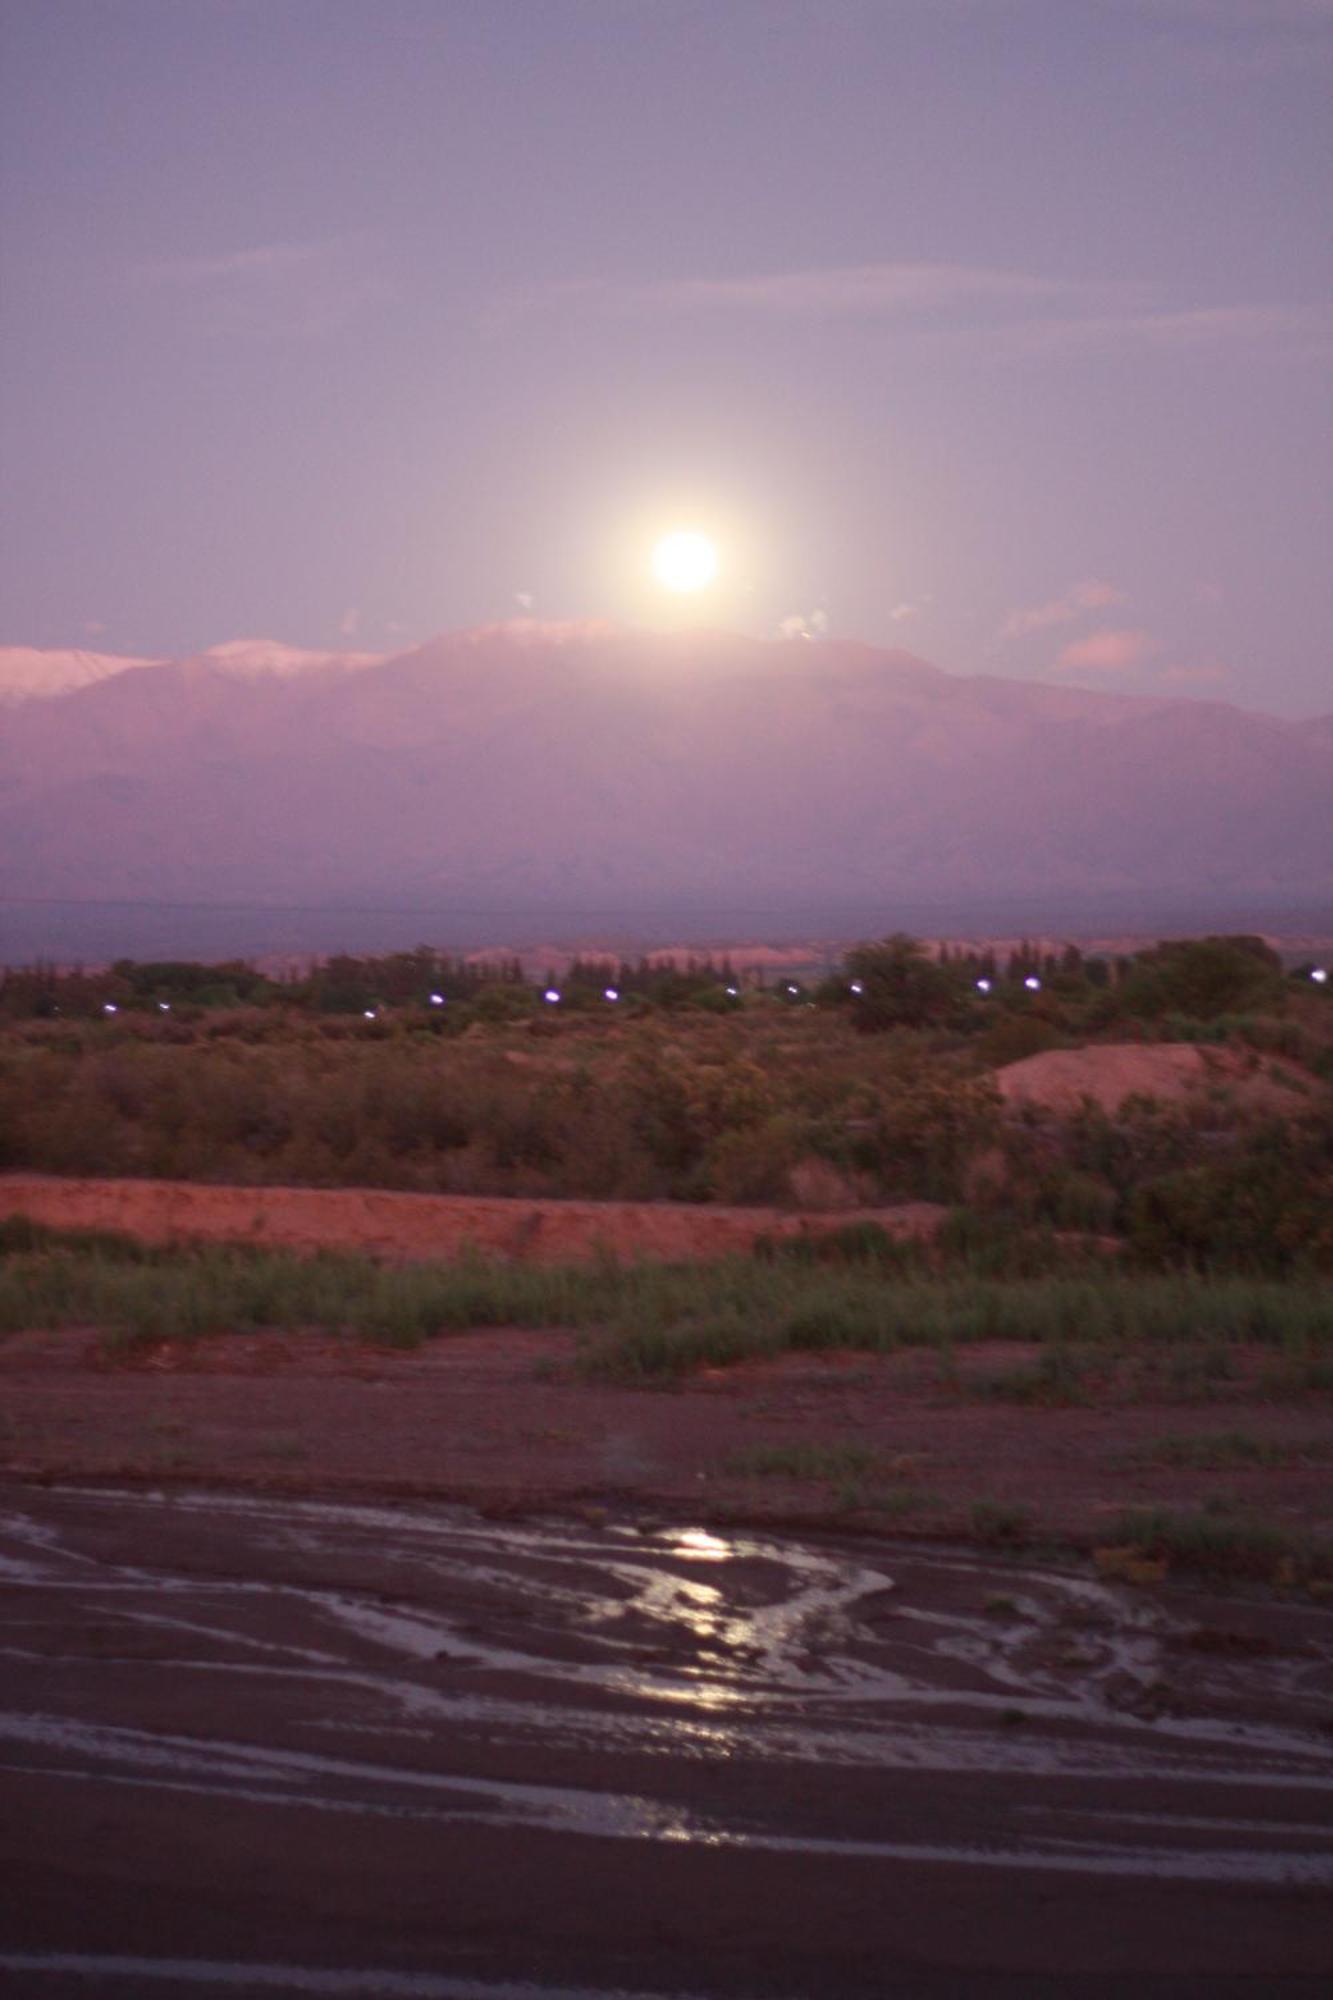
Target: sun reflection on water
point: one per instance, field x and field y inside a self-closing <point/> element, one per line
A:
<point x="702" y="1546"/>
<point x="727" y="1640"/>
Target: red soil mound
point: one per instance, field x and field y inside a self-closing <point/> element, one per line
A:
<point x="1173" y="1072"/>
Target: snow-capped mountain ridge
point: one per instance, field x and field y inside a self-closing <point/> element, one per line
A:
<point x="31" y="673"/>
<point x="27" y="673"/>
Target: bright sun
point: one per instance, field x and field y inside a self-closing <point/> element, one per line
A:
<point x="685" y="561"/>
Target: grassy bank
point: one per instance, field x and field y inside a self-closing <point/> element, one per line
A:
<point x="652" y="1322"/>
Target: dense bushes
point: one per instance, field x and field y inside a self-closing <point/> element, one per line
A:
<point x="898" y="985"/>
<point x="726" y="1112"/>
<point x="1203" y="977"/>
<point x="683" y="1088"/>
<point x="754" y="1107"/>
<point x="1267" y="1207"/>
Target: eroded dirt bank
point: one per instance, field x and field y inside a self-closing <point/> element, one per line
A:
<point x="420" y="1225"/>
<point x="913" y="1441"/>
<point x="501" y="1418"/>
<point x="266" y="1745"/>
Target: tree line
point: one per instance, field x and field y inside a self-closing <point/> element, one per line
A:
<point x="896" y="982"/>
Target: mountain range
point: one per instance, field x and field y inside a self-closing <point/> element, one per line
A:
<point x="592" y="769"/>
<point x="29" y="672"/>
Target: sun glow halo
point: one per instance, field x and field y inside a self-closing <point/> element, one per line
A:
<point x="685" y="561"/>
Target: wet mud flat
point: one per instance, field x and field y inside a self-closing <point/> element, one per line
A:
<point x="501" y="1418"/>
<point x="260" y="1744"/>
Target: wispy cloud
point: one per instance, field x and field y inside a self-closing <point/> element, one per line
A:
<point x="1090" y="595"/>
<point x="291" y="290"/>
<point x="803" y="625"/>
<point x="1297" y="330"/>
<point x="260" y="260"/>
<point x="843" y="291"/>
<point x="1010" y="314"/>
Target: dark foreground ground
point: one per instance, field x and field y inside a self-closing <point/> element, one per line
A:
<point x="258" y="1744"/>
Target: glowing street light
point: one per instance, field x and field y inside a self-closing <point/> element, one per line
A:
<point x="1320" y="975"/>
<point x="857" y="987"/>
<point x="983" y="986"/>
<point x="437" y="999"/>
<point x="110" y="1007"/>
<point x="551" y="996"/>
<point x="611" y="993"/>
<point x="1032" y="983"/>
<point x="733" y="992"/>
<point x="164" y="1006"/>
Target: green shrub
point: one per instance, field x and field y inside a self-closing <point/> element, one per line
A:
<point x="1013" y="1037"/>
<point x="1224" y="1545"/>
<point x="1269" y="1208"/>
<point x="1204" y="977"/>
<point x="901" y="985"/>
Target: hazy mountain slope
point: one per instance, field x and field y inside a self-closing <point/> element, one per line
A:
<point x="590" y="768"/>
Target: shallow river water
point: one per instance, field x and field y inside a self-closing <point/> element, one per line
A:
<point x="261" y="1744"/>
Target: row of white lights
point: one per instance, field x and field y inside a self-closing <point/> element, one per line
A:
<point x="553" y="996"/>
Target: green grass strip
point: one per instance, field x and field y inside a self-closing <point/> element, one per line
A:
<point x="642" y="1322"/>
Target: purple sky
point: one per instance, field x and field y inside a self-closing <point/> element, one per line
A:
<point x="995" y="329"/>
